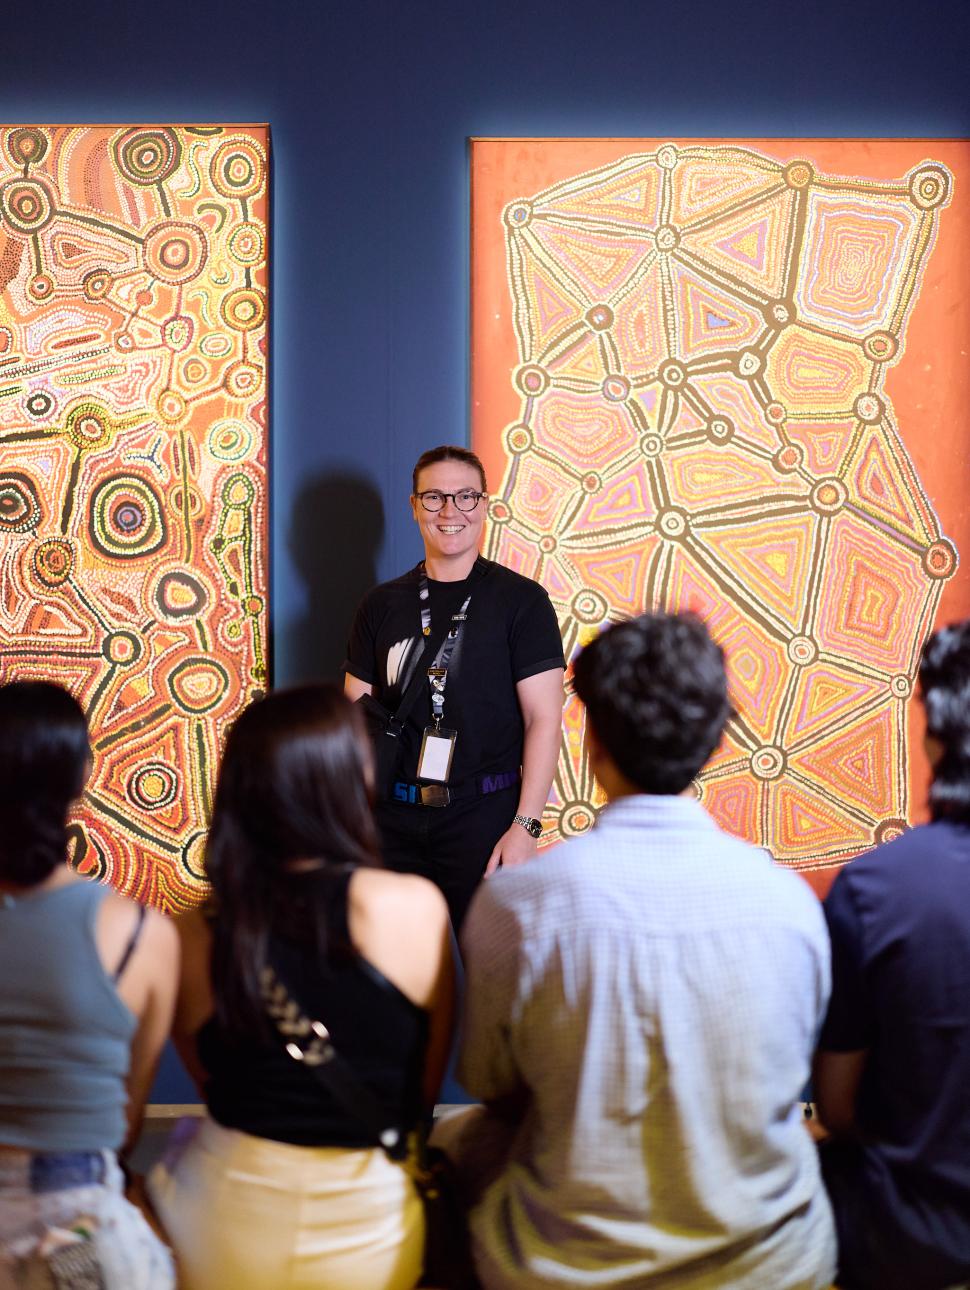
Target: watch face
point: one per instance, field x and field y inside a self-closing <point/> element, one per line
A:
<point x="534" y="827"/>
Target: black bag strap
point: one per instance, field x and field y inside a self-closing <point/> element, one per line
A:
<point x="308" y="1042"/>
<point x="419" y="676"/>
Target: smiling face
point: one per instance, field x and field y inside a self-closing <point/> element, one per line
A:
<point x="451" y="537"/>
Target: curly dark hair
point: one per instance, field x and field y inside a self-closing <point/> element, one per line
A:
<point x="294" y="785"/>
<point x="944" y="678"/>
<point x="447" y="452"/>
<point x="44" y="759"/>
<point x="655" y="692"/>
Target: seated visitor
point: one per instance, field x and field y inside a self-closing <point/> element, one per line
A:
<point x="87" y="986"/>
<point x="284" y="1186"/>
<point x="892" y="1077"/>
<point x="642" y="1004"/>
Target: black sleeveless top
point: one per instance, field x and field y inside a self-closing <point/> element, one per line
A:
<point x="255" y="1087"/>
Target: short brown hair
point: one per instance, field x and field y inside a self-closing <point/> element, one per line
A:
<point x="447" y="452"/>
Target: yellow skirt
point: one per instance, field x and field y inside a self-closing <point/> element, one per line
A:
<point x="253" y="1214"/>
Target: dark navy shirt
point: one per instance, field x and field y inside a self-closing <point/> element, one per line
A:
<point x="899" y="919"/>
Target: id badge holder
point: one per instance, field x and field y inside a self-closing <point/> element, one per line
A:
<point x="437" y="750"/>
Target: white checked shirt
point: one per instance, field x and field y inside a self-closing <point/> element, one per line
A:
<point x="657" y="987"/>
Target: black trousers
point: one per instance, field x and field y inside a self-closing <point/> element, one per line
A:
<point x="448" y="844"/>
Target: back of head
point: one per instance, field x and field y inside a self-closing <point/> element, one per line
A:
<point x="292" y="808"/>
<point x="944" y="676"/>
<point x="447" y="452"/>
<point x="655" y="693"/>
<point x="44" y="756"/>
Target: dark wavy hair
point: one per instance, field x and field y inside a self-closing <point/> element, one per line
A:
<point x="294" y="785"/>
<point x="944" y="680"/>
<point x="655" y="692"/>
<point x="44" y="759"/>
<point x="447" y="452"/>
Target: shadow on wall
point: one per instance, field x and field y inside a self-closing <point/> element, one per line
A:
<point x="334" y="540"/>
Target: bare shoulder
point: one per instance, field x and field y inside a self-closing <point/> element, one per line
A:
<point x="376" y="893"/>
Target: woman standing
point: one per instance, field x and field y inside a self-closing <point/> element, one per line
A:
<point x="87" y="988"/>
<point x="282" y="1186"/>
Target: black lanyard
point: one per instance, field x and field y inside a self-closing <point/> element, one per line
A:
<point x="438" y="671"/>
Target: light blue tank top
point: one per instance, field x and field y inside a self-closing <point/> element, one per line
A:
<point x="65" y="1036"/>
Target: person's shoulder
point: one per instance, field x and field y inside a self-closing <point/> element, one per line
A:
<point x="406" y="898"/>
<point x="159" y="935"/>
<point x="392" y="589"/>
<point x="508" y="580"/>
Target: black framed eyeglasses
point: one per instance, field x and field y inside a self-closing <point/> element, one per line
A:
<point x="433" y="499"/>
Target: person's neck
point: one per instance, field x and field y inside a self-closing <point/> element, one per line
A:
<point x="450" y="568"/>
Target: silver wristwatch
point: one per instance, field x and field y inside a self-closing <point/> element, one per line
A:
<point x="534" y="827"/>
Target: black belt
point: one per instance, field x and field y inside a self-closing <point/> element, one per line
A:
<point x="410" y="794"/>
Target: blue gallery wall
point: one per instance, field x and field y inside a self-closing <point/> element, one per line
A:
<point x="370" y="103"/>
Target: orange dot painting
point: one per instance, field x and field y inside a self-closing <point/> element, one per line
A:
<point x="728" y="376"/>
<point x="133" y="493"/>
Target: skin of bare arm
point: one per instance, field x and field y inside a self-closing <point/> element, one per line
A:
<point x="540" y="699"/>
<point x="835" y="1085"/>
<point x="354" y="688"/>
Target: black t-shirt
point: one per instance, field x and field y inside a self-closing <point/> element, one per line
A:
<point x="899" y="919"/>
<point x="511" y="633"/>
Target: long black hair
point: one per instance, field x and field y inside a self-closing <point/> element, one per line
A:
<point x="944" y="677"/>
<point x="294" y="786"/>
<point x="44" y="759"/>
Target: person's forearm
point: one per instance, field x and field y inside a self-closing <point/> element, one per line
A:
<point x="540" y="756"/>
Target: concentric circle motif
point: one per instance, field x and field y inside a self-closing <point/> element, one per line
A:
<point x="802" y="650"/>
<point x="26" y="146"/>
<point x="242" y="380"/>
<point x="193" y="855"/>
<point x="799" y="174"/>
<point x="789" y="458"/>
<point x="672" y="523"/>
<point x="940" y="559"/>
<point x="243" y="309"/>
<point x="591" y="482"/>
<point x="171" y="406"/>
<point x="749" y="363"/>
<point x="499" y="512"/>
<point x="194" y="371"/>
<point x="26" y="205"/>
<point x="148" y="156"/>
<point x="779" y="313"/>
<point x="96" y="284"/>
<point x="41" y="288"/>
<point x="246" y="243"/>
<point x="828" y="496"/>
<point x="767" y="762"/>
<point x="230" y="440"/>
<point x="600" y="317"/>
<point x="517" y="214"/>
<point x="776" y="414"/>
<point x="651" y="445"/>
<point x="667" y="237"/>
<point x="869" y="408"/>
<point x="52" y="561"/>
<point x="576" y="818"/>
<point x="122" y="648"/>
<point x="153" y="786"/>
<point x="89" y="425"/>
<point x="19" y="502"/>
<point x="667" y="156"/>
<point x="547" y="544"/>
<point x="901" y="686"/>
<point x="177" y="332"/>
<point x="126" y="517"/>
<point x="929" y="187"/>
<point x="880" y="346"/>
<point x="198" y="684"/>
<point x="519" y="438"/>
<point x="672" y="374"/>
<point x="589" y="606"/>
<point x="890" y="830"/>
<point x="720" y="429"/>
<point x="180" y="594"/>
<point x="39" y="404"/>
<point x="175" y="252"/>
<point x="238" y="492"/>
<point x="616" y="388"/>
<point x="532" y="379"/>
<point x="238" y="168"/>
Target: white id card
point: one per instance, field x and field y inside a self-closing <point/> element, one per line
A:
<point x="437" y="749"/>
